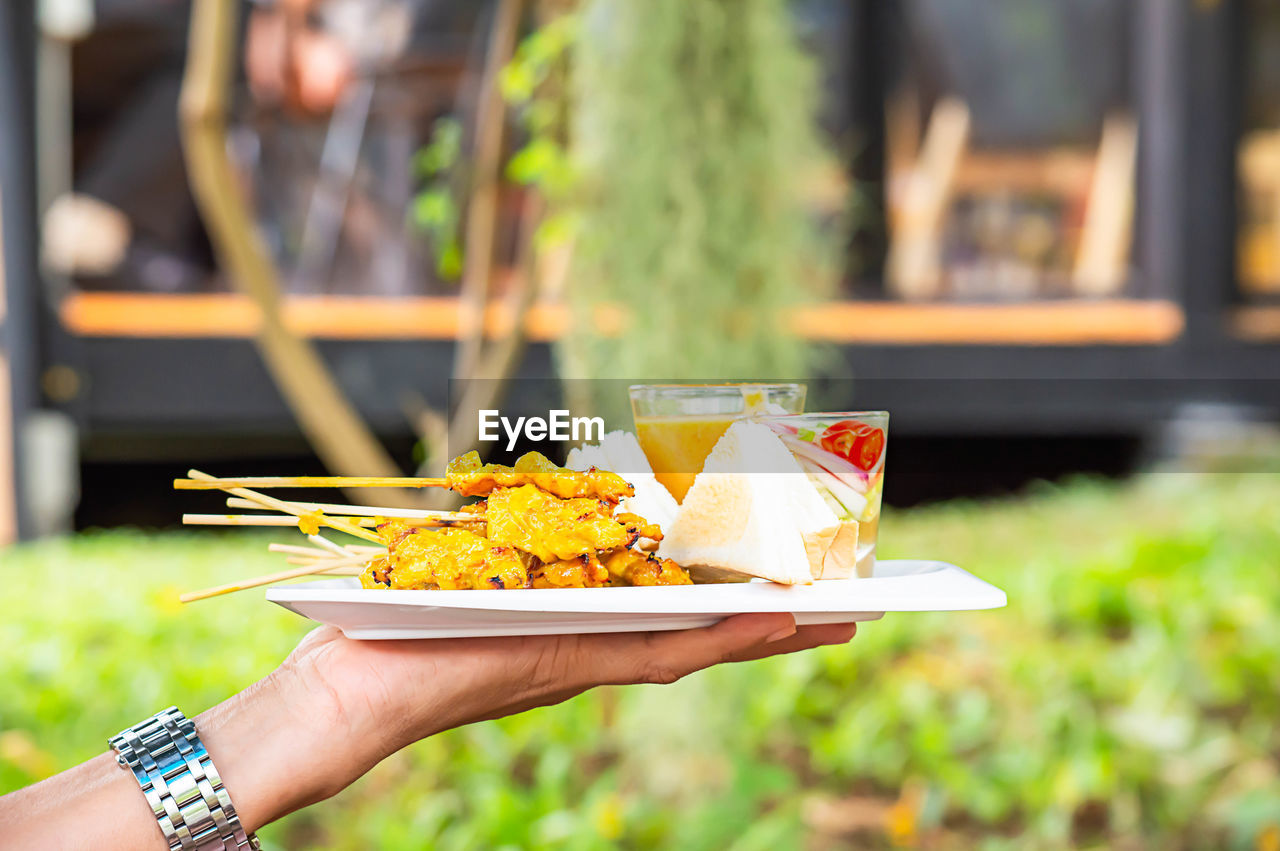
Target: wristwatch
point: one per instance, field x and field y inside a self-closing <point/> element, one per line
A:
<point x="181" y="784"/>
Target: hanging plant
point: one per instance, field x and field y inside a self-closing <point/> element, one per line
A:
<point x="694" y="132"/>
<point x="671" y="141"/>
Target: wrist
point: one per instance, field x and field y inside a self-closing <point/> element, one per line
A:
<point x="274" y="753"/>
<point x="365" y="697"/>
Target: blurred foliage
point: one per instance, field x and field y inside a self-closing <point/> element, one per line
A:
<point x="435" y="208"/>
<point x="1126" y="698"/>
<point x="535" y="84"/>
<point x="532" y="85"/>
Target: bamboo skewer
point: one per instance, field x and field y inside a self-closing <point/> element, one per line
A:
<point x="322" y="541"/>
<point x="318" y="566"/>
<point x="321" y="555"/>
<point x="256" y="581"/>
<point x="326" y="557"/>
<point x="316" y="552"/>
<point x="204" y="481"/>
<point x="341" y="524"/>
<point x="259" y="520"/>
<point x="361" y="510"/>
<point x="286" y="520"/>
<point x="295" y="550"/>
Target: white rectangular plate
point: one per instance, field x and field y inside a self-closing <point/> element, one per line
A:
<point x="898" y="586"/>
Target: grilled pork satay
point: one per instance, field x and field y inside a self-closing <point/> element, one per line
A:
<point x="446" y="559"/>
<point x="644" y="529"/>
<point x="504" y="567"/>
<point x="554" y="529"/>
<point x="534" y="539"/>
<point x="630" y="567"/>
<point x="466" y="475"/>
<point x="584" y="571"/>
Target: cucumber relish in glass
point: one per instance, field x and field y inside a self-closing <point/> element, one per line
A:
<point x="843" y="453"/>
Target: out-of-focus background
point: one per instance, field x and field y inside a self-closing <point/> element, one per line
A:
<point x="264" y="238"/>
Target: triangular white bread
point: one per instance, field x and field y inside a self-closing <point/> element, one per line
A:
<point x="841" y="559"/>
<point x="752" y="511"/>
<point x="620" y="452"/>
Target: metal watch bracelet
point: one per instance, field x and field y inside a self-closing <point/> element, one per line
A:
<point x="181" y="784"/>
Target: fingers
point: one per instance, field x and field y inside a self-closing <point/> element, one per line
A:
<point x="805" y="638"/>
<point x="584" y="661"/>
<point x="664" y="657"/>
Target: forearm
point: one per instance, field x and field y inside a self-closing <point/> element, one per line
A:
<point x="97" y="804"/>
<point x="272" y="758"/>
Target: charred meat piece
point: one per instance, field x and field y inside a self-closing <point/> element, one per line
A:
<point x="585" y="571"/>
<point x="643" y="528"/>
<point x="553" y="529"/>
<point x="504" y="568"/>
<point x="377" y="574"/>
<point x="631" y="567"/>
<point x="469" y="477"/>
<point x="443" y="559"/>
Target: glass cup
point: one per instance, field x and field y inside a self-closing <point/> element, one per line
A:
<point x="843" y="453"/>
<point x="678" y="424"/>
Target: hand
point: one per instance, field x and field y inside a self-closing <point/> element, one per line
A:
<point x="337" y="707"/>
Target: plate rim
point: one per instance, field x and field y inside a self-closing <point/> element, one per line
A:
<point x="988" y="596"/>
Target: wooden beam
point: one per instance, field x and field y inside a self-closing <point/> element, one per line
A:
<point x="1066" y="322"/>
<point x="914" y="264"/>
<point x="1256" y="324"/>
<point x="1102" y="259"/>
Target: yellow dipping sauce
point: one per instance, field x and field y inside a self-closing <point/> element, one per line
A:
<point x="677" y="446"/>
<point x="678" y="424"/>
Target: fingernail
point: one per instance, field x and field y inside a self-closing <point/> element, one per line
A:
<point x="786" y="632"/>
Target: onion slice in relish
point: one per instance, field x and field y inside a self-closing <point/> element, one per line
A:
<point x="854" y="503"/>
<point x="829" y="461"/>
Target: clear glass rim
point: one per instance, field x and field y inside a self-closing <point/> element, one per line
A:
<point x="723" y="387"/>
<point x="826" y="415"/>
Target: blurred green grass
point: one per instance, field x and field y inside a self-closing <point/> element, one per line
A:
<point x="1126" y="698"/>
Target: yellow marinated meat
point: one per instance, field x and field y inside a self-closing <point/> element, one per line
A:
<point x="466" y="475"/>
<point x="504" y="567"/>
<point x="393" y="531"/>
<point x="376" y="574"/>
<point x="445" y="559"/>
<point x="585" y="571"/>
<point x="630" y="567"/>
<point x="554" y="529"/>
<point x="644" y="528"/>
<point x="533" y="539"/>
